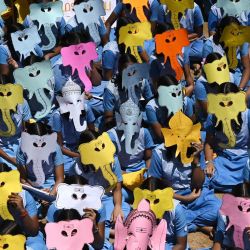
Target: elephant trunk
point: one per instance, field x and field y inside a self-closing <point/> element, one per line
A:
<point x="76" y="120"/>
<point x="11" y="128"/>
<point x="129" y="133"/>
<point x="39" y="173"/>
<point x="45" y="102"/>
<point x="228" y="131"/>
<point x="50" y="36"/>
<point x="109" y="176"/>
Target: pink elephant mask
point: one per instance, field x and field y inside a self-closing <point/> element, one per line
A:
<point x="140" y="230"/>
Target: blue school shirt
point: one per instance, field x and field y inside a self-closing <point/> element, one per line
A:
<point x="157" y="114"/>
<point x="153" y="9"/>
<point x="4" y="54"/>
<point x="135" y="162"/>
<point x="66" y="127"/>
<point x="178" y="174"/>
<point x="193" y="18"/>
<point x="21" y="115"/>
<point x="113" y="98"/>
<point x="55" y="159"/>
<point x="225" y="238"/>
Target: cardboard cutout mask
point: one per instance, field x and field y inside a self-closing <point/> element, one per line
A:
<point x="88" y="13"/>
<point x="72" y="102"/>
<point x="140" y="230"/>
<point x="226" y="108"/>
<point x="100" y="153"/>
<point x="68" y="9"/>
<point x="47" y="14"/>
<point x="233" y="7"/>
<point x="217" y="71"/>
<point x="138" y="7"/>
<point x="79" y="197"/>
<point x="182" y="133"/>
<point x="176" y="7"/>
<point x="35" y="79"/>
<point x="11" y="242"/>
<point x="134" y="35"/>
<point x="65" y="235"/>
<point x="171" y="97"/>
<point x="238" y="212"/>
<point x="25" y="41"/>
<point x="133" y="179"/>
<point x="3" y="6"/>
<point x="79" y="58"/>
<point x="160" y="200"/>
<point x="170" y="44"/>
<point x="38" y="149"/>
<point x="22" y="7"/>
<point x="10" y="96"/>
<point x="9" y="183"/>
<point x="234" y="36"/>
<point x="132" y="77"/>
<point x="129" y="120"/>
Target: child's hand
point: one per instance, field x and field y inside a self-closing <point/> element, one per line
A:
<point x="210" y="169"/>
<point x="117" y="211"/>
<point x="16" y="202"/>
<point x="193" y="196"/>
<point x="12" y="63"/>
<point x="90" y="213"/>
<point x="198" y="147"/>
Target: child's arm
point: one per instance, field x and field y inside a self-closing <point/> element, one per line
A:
<point x="59" y="178"/>
<point x="117" y="196"/>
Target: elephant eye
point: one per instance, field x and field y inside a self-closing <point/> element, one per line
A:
<point x="2" y="184"/>
<point x="125" y="123"/>
<point x="71" y="103"/>
<point x="167" y="41"/>
<point x="91" y="8"/>
<point x="35" y="145"/>
<point x="134" y="123"/>
<point x="5" y="246"/>
<point x="74" y="196"/>
<point x="9" y="94"/>
<point x="38" y="72"/>
<point x="76" y="53"/>
<point x="156" y="201"/>
<point x="219" y="69"/>
<point x="103" y="146"/>
<point x="174" y="38"/>
<point x="179" y="93"/>
<point x="43" y="144"/>
<point x="26" y="37"/>
<point x="78" y="101"/>
<point x="85" y="10"/>
<point x="240" y="208"/>
<point x="222" y="104"/>
<point x="173" y="94"/>
<point x="64" y="233"/>
<point x="248" y="210"/>
<point x="83" y="196"/>
<point x="224" y="66"/>
<point x="74" y="232"/>
<point x="20" y="39"/>
<point x="1" y="94"/>
<point x="83" y="52"/>
<point x="97" y="149"/>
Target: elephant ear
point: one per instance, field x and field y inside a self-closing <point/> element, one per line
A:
<point x="121" y="234"/>
<point x="158" y="239"/>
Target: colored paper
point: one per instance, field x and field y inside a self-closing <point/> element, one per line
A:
<point x="129" y="121"/>
<point x="160" y="200"/>
<point x="138" y="6"/>
<point x="38" y="149"/>
<point x="10" y="96"/>
<point x="170" y="44"/>
<point x="79" y="197"/>
<point x="47" y="15"/>
<point x="176" y="8"/>
<point x="233" y="8"/>
<point x="9" y="183"/>
<point x="132" y="78"/>
<point x="36" y="79"/>
<point x="217" y="71"/>
<point x="100" y="153"/>
<point x="65" y="235"/>
<point x="12" y="242"/>
<point x="140" y="230"/>
<point x="88" y="13"/>
<point x="73" y="102"/>
<point x="79" y="58"/>
<point x="171" y="97"/>
<point x="134" y="35"/>
<point x="226" y="108"/>
<point x="237" y="211"/>
<point x="3" y="6"/>
<point x="22" y="7"/>
<point x="233" y="36"/>
<point x="133" y="179"/>
<point x="182" y="133"/>
<point x="25" y="41"/>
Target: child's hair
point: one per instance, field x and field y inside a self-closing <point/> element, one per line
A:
<point x="152" y="184"/>
<point x="213" y="57"/>
<point x="68" y="214"/>
<point x="167" y="80"/>
<point x="4" y="168"/>
<point x="161" y="27"/>
<point x="241" y="190"/>
<point x="74" y="37"/>
<point x="37" y="128"/>
<point x="31" y="59"/>
<point x="88" y="136"/>
<point x="76" y="179"/>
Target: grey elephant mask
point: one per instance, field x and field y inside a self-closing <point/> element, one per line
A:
<point x="72" y="102"/>
<point x="129" y="120"/>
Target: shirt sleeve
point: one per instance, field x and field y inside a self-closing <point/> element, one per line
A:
<point x="108" y="100"/>
<point x="117" y="170"/>
<point x="118" y="9"/>
<point x="30" y="205"/>
<point x="4" y="56"/>
<point x="90" y="115"/>
<point x="198" y="17"/>
<point x="102" y="28"/>
<point x="213" y="20"/>
<point x="155" y="169"/>
<point x="58" y="157"/>
<point x="180" y="222"/>
<point x="26" y="111"/>
<point x="108" y="59"/>
<point x="151" y="115"/>
<point x="244" y="49"/>
<point x="102" y="215"/>
<point x="56" y="122"/>
<point x="186" y="55"/>
<point x="200" y="91"/>
<point x="155" y="6"/>
<point x="149" y="144"/>
<point x="147" y="92"/>
<point x="220" y="229"/>
<point x="188" y="107"/>
<point x="207" y="49"/>
<point x="20" y="158"/>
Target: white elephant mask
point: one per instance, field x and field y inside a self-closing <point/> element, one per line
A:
<point x="72" y="102"/>
<point x="129" y="120"/>
<point x="79" y="197"/>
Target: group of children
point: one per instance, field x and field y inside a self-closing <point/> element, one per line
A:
<point x="117" y="135"/>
